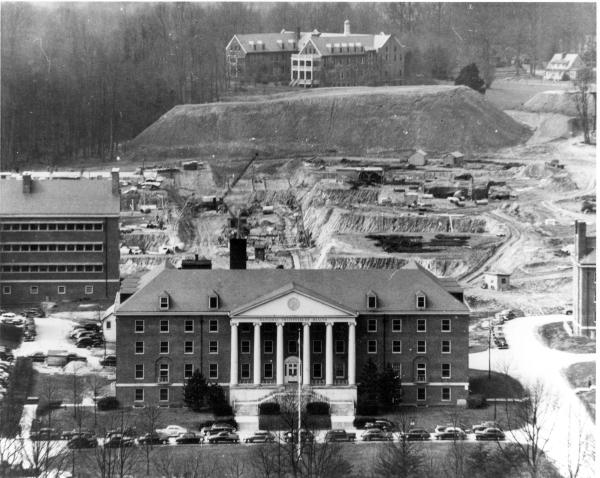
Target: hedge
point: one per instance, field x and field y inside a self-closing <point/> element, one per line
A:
<point x="360" y="422"/>
<point x="108" y="403"/>
<point x="476" y="400"/>
<point x="317" y="408"/>
<point x="269" y="408"/>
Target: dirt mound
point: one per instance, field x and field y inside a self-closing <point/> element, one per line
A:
<point x="555" y="101"/>
<point x="356" y="121"/>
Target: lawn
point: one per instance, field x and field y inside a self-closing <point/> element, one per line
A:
<point x="511" y="95"/>
<point x="500" y="385"/>
<point x="59" y="386"/>
<point x="555" y="337"/>
<point x="581" y="375"/>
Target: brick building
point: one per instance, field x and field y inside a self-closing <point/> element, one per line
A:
<point x="584" y="282"/>
<point x="216" y="321"/>
<point x="59" y="239"/>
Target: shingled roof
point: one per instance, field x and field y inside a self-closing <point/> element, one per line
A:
<point x="396" y="290"/>
<point x="270" y="42"/>
<point x="58" y="197"/>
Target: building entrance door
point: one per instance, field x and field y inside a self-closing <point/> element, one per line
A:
<point x="291" y="370"/>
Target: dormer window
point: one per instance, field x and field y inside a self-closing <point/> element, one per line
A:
<point x="213" y="301"/>
<point x="163" y="301"/>
<point x="371" y="300"/>
<point x="421" y="300"/>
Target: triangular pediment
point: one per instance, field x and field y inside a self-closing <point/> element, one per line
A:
<point x="293" y="301"/>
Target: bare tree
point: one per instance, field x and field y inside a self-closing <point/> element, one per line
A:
<point x="192" y="467"/>
<point x="148" y="424"/>
<point x="95" y="384"/>
<point x="583" y="97"/>
<point x="578" y="447"/>
<point x="45" y="455"/>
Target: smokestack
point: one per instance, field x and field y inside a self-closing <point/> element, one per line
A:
<point x="115" y="181"/>
<point x="580" y="231"/>
<point x="237" y="253"/>
<point x="27" y="183"/>
<point x="347" y="27"/>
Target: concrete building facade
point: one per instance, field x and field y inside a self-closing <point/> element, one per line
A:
<point x="584" y="282"/>
<point x="59" y="239"/>
<point x="497" y="280"/>
<point x="258" y="332"/>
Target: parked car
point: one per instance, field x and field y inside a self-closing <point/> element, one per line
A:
<point x="339" y="435"/>
<point x="292" y="436"/>
<point x="118" y="440"/>
<point x="188" y="439"/>
<point x="45" y="434"/>
<point x="501" y="343"/>
<point x="69" y="434"/>
<point x="483" y="425"/>
<point x="82" y="442"/>
<point x="153" y="438"/>
<point x="490" y="434"/>
<point x="109" y="361"/>
<point x="261" y="436"/>
<point x="173" y="430"/>
<point x="38" y="357"/>
<point x="451" y="433"/>
<point x="88" y="342"/>
<point x="75" y="358"/>
<point x="416" y="434"/>
<point x="213" y="431"/>
<point x="224" y="437"/>
<point x="376" y="434"/>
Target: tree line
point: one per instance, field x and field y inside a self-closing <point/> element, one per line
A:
<point x="79" y="79"/>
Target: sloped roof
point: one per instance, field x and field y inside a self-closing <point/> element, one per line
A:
<point x="589" y="259"/>
<point x="188" y="289"/>
<point x="58" y="197"/>
<point x="565" y="61"/>
<point x="367" y="41"/>
<point x="269" y="40"/>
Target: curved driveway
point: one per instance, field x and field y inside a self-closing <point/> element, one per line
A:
<point x="530" y="362"/>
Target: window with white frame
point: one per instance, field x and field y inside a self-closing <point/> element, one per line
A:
<point x="164" y="347"/>
<point x="163" y="373"/>
<point x="372" y="325"/>
<point x="446" y="325"/>
<point x="188" y="347"/>
<point x="371" y="300"/>
<point x="245" y="346"/>
<point x="340" y="347"/>
<point x="163" y="302"/>
<point x="108" y="325"/>
<point x="139" y="326"/>
<point x="396" y="325"/>
<point x="446" y="370"/>
<point x="421" y="325"/>
<point x="61" y="289"/>
<point x="245" y="369"/>
<point x="396" y="346"/>
<point x="317" y="370"/>
<point x="213" y="326"/>
<point x="6" y="289"/>
<point x="372" y="346"/>
<point x="213" y="371"/>
<point x="164" y="326"/>
<point x="139" y="347"/>
<point x="446" y="394"/>
<point x="88" y="289"/>
<point x="139" y="371"/>
<point x="268" y="346"/>
<point x="163" y="394"/>
<point x="397" y="368"/>
<point x="445" y="346"/>
<point x="340" y="370"/>
<point x="268" y="370"/>
<point x="421" y="394"/>
<point x="421" y="372"/>
<point x="188" y="326"/>
<point x="139" y="395"/>
<point x="317" y="347"/>
<point x="34" y="290"/>
<point x="213" y="347"/>
<point x="213" y="301"/>
<point x="188" y="370"/>
<point x="421" y="347"/>
<point x="421" y="301"/>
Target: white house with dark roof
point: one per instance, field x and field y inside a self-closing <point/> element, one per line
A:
<point x="564" y="66"/>
<point x="241" y="329"/>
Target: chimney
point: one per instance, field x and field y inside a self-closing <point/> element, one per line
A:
<point x="237" y="253"/>
<point x="580" y="231"/>
<point x="347" y="27"/>
<point x="115" y="181"/>
<point x="297" y="35"/>
<point x="27" y="183"/>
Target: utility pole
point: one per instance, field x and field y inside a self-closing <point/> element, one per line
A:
<point x="300" y="378"/>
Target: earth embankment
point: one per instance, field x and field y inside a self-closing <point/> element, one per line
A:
<point x="352" y="121"/>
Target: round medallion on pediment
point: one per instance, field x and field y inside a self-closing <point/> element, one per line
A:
<point x="293" y="303"/>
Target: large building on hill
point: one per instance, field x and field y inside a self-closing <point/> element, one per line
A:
<point x="241" y="328"/>
<point x="311" y="59"/>
<point x="59" y="239"/>
<point x="584" y="282"/>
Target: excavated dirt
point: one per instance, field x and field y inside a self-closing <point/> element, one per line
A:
<point x="352" y="121"/>
<point x="555" y="101"/>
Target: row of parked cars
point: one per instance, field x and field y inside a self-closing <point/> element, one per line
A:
<point x="87" y="334"/>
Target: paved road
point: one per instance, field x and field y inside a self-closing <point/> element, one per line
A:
<point x="530" y="361"/>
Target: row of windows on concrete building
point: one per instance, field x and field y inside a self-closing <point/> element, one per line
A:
<point x="213" y="325"/>
<point x="61" y="289"/>
<point x="66" y="268"/>
<point x="53" y="247"/>
<point x="53" y="226"/>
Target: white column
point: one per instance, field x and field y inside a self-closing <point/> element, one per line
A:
<point x="306" y="354"/>
<point x="257" y="352"/>
<point x="351" y="353"/>
<point x="233" y="375"/>
<point x="329" y="354"/>
<point x="279" y="353"/>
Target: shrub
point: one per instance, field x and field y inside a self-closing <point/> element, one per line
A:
<point x="368" y="408"/>
<point x="222" y="409"/>
<point x="108" y="403"/>
<point x="229" y="420"/>
<point x="469" y="76"/>
<point x="18" y="387"/>
<point x="359" y="422"/>
<point x="476" y="401"/>
<point x="317" y="408"/>
<point x="269" y="408"/>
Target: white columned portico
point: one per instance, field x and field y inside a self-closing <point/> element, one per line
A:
<point x="257" y="351"/>
<point x="352" y="353"/>
<point x="329" y="353"/>
<point x="306" y="354"/>
<point x="279" y="352"/>
<point x="233" y="376"/>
